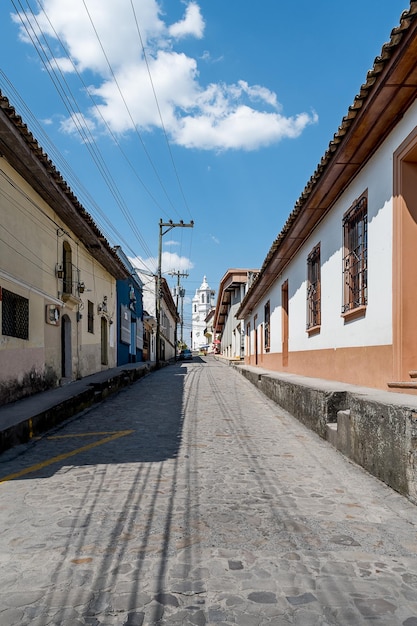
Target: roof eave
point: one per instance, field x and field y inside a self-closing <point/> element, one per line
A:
<point x="390" y="89"/>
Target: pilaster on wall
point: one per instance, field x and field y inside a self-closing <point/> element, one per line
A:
<point x="405" y="259"/>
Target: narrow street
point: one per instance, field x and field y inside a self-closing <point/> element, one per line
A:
<point x="189" y="498"/>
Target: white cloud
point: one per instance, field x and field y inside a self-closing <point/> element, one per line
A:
<point x="77" y="121"/>
<point x="104" y="40"/>
<point x="170" y="262"/>
<point x="191" y="24"/>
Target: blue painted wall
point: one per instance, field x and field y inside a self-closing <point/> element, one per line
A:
<point x="124" y="297"/>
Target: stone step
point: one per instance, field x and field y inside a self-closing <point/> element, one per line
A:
<point x="331" y="434"/>
<point x="403" y="384"/>
<point x="338" y="434"/>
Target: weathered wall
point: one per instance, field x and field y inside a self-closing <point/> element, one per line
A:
<point x="377" y="430"/>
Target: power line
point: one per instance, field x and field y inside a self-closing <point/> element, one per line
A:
<point x="77" y="118"/>
<point x="128" y="110"/>
<point x="159" y="110"/>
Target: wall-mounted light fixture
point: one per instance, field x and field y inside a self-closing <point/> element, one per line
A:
<point x="59" y="270"/>
<point x="102" y="306"/>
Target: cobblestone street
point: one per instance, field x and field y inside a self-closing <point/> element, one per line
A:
<point x="189" y="498"/>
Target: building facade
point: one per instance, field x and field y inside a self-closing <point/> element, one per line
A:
<point x="130" y="329"/>
<point x="336" y="296"/>
<point x="57" y="273"/>
<point x="169" y="319"/>
<point x="228" y="328"/>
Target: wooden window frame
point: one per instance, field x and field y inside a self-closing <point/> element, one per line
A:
<point x="90" y="316"/>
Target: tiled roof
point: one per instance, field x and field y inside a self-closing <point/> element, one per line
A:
<point x="22" y="151"/>
<point x="401" y="37"/>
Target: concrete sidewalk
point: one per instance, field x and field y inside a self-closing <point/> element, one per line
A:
<point x="28" y="417"/>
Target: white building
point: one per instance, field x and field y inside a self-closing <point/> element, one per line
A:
<point x="168" y="318"/>
<point x="203" y="302"/>
<point x="227" y="327"/>
<point x="336" y="297"/>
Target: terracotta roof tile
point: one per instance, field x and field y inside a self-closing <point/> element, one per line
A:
<point x="48" y="166"/>
<point x="381" y="62"/>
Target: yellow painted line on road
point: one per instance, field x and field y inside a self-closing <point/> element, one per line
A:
<point x="66" y="455"/>
<point x="104" y="432"/>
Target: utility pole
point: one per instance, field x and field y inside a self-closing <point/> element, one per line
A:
<point x="178" y="292"/>
<point x="182" y="294"/>
<point x="167" y="226"/>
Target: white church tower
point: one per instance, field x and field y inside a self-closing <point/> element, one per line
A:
<point x="203" y="302"/>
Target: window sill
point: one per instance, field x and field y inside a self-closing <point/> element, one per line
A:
<point x="313" y="330"/>
<point x="354" y="314"/>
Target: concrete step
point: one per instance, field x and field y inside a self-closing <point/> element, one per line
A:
<point x="338" y="434"/>
<point x="331" y="434"/>
<point x="403" y="384"/>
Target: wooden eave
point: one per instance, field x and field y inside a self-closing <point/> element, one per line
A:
<point x="390" y="89"/>
<point x="22" y="151"/>
<point x="233" y="278"/>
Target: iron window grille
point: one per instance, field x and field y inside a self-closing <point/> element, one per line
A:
<point x="90" y="317"/>
<point x="355" y="261"/>
<point x="267" y="319"/>
<point x="15" y="315"/>
<point x="314" y="288"/>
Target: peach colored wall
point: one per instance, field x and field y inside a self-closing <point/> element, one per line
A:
<point x="405" y="258"/>
<point x="369" y="366"/>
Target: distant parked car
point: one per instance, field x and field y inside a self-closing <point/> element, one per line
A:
<point x="185" y="355"/>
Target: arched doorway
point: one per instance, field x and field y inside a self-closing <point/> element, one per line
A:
<point x="66" y="349"/>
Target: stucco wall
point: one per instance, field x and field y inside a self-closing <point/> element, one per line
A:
<point x="374" y="331"/>
<point x="31" y="248"/>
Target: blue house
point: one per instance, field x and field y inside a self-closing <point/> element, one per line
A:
<point x="129" y="315"/>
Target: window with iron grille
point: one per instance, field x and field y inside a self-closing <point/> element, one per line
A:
<point x="90" y="317"/>
<point x="355" y="261"/>
<point x="15" y="315"/>
<point x="267" y="319"/>
<point x="314" y="288"/>
<point x="67" y="259"/>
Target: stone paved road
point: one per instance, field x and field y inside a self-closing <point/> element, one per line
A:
<point x="190" y="498"/>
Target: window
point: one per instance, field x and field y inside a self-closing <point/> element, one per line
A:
<point x="90" y="317"/>
<point x="67" y="258"/>
<point x="313" y="289"/>
<point x="355" y="262"/>
<point x="125" y="324"/>
<point x="267" y="317"/>
<point x="248" y="346"/>
<point x="15" y="315"/>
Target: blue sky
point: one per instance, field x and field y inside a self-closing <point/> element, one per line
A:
<point x="216" y="111"/>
